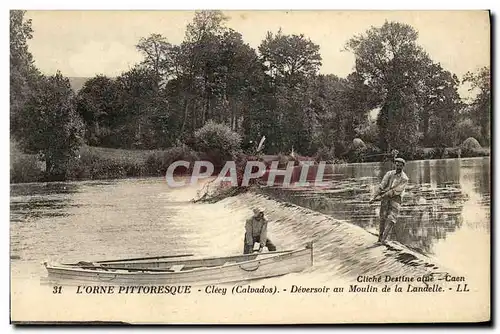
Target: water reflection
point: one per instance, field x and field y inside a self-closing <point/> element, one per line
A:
<point x="34" y="189"/>
<point x="33" y="209"/>
<point x="39" y="200"/>
<point x="433" y="205"/>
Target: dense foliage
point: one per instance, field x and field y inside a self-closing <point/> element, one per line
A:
<point x="215" y="93"/>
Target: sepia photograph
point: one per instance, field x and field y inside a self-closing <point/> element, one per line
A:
<point x="262" y="167"/>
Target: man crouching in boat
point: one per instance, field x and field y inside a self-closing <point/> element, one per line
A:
<point x="390" y="192"/>
<point x="256" y="231"/>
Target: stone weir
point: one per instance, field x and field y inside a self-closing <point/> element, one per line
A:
<point x="341" y="249"/>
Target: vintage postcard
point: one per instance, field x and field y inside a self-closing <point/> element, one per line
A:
<point x="250" y="167"/>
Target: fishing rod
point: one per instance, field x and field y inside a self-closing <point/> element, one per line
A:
<point x="394" y="153"/>
<point x="382" y="194"/>
<point x="379" y="154"/>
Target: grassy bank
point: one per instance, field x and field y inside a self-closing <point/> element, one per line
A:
<point x="96" y="163"/>
<point x="24" y="167"/>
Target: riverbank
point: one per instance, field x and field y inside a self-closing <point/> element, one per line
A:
<point x="99" y="163"/>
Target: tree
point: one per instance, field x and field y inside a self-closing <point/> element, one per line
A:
<point x="215" y="77"/>
<point x="142" y="111"/>
<point x="50" y="124"/>
<point x="290" y="57"/>
<point x="291" y="63"/>
<point x="20" y="32"/>
<point x="328" y="106"/>
<point x="358" y="99"/>
<point x="97" y="104"/>
<point x="205" y="23"/>
<point x="391" y="63"/>
<point x="398" y="123"/>
<point x="23" y="73"/>
<point x="440" y="105"/>
<point x="341" y="107"/>
<point x="480" y="82"/>
<point x="466" y="129"/>
<point x="199" y="58"/>
<point x="236" y="71"/>
<point x="158" y="56"/>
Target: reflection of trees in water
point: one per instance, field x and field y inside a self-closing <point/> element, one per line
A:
<point x="432" y="206"/>
<point x="51" y="188"/>
<point x="428" y="213"/>
<point x="21" y="211"/>
<point x="421" y="224"/>
<point x="483" y="179"/>
<point x="38" y="200"/>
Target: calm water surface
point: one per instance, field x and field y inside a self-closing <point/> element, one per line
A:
<point x="443" y="197"/>
<point x="128" y="218"/>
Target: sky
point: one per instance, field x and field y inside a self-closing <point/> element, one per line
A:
<point x="87" y="43"/>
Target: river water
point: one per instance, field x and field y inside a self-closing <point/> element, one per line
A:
<point x="445" y="214"/>
<point x="443" y="199"/>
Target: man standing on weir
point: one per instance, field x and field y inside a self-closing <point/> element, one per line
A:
<point x="390" y="192"/>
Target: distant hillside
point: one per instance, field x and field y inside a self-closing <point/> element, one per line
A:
<point x="77" y="82"/>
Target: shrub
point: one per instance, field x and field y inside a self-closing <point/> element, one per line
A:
<point x="429" y="153"/>
<point x="466" y="129"/>
<point x="241" y="161"/>
<point x="368" y="132"/>
<point x="452" y="152"/>
<point x="326" y="154"/>
<point x="158" y="162"/>
<point x="24" y="167"/>
<point x="457" y="152"/>
<point x="471" y="148"/>
<point x="366" y="153"/>
<point x="418" y="153"/>
<point x="217" y="142"/>
<point x="100" y="163"/>
<point x="358" y="143"/>
<point x="283" y="160"/>
<point x="477" y="152"/>
<point x="482" y="152"/>
<point x="133" y="168"/>
<point x="92" y="165"/>
<point x="436" y="153"/>
<point x="155" y="164"/>
<point x="217" y="136"/>
<point x="470" y="144"/>
<point x="371" y="153"/>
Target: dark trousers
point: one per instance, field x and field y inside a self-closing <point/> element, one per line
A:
<point x="247" y="249"/>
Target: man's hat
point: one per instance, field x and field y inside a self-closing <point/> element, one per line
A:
<point x="256" y="211"/>
<point x="400" y="160"/>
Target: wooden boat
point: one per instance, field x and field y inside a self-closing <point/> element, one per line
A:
<point x="185" y="270"/>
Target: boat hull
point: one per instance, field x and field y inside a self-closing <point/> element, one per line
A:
<point x="260" y="267"/>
